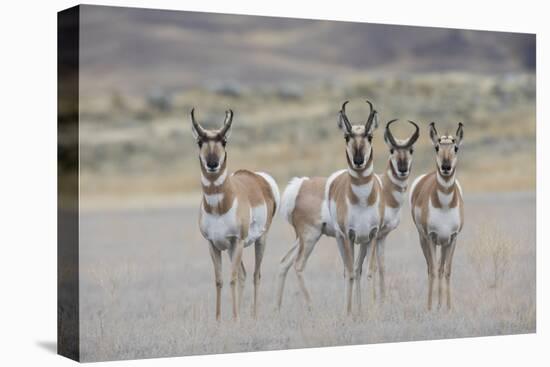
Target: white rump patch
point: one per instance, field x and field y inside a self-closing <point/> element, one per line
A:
<point x="290" y="194"/>
<point x="258" y="220"/>
<point x="274" y="189"/>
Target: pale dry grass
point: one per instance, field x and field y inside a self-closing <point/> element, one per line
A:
<point x="491" y="253"/>
<point x="147" y="287"/>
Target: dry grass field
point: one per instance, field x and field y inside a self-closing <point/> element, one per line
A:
<point x="147" y="286"/>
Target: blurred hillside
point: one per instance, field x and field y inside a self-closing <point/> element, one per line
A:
<point x="134" y="50"/>
<point x="144" y="146"/>
<point x="143" y="70"/>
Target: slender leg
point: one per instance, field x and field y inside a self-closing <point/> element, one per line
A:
<point x="242" y="280"/>
<point x="425" y="244"/>
<point x="430" y="243"/>
<point x="371" y="251"/>
<point x="448" y="265"/>
<point x="236" y="252"/>
<point x="443" y="257"/>
<point x="286" y="263"/>
<point x="216" y="256"/>
<point x="308" y="240"/>
<point x="371" y="276"/>
<point x="346" y="252"/>
<point x="358" y="272"/>
<point x="380" y="258"/>
<point x="259" y="254"/>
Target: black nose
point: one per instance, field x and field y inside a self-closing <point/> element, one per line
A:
<point x="212" y="164"/>
<point x="446" y="167"/>
<point x="402" y="169"/>
<point x="358" y="161"/>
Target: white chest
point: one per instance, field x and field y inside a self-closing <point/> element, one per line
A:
<point x="444" y="222"/>
<point x="220" y="228"/>
<point x="362" y="219"/>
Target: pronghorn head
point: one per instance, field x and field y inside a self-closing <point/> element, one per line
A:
<point x="358" y="137"/>
<point x="401" y="151"/>
<point x="212" y="154"/>
<point x="446" y="149"/>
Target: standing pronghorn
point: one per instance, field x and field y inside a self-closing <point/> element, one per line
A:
<point x="236" y="210"/>
<point x="344" y="206"/>
<point x="438" y="210"/>
<point x="394" y="188"/>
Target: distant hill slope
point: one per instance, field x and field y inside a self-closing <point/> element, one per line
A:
<point x="134" y="50"/>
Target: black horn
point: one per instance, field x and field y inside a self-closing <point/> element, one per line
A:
<point x="200" y="131"/>
<point x="344" y="117"/>
<point x="227" y="122"/>
<point x="410" y="141"/>
<point x="389" y="136"/>
<point x="414" y="136"/>
<point x="372" y="115"/>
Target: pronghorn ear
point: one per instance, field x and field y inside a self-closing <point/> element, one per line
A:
<point x="387" y="139"/>
<point x="375" y="122"/>
<point x="341" y="123"/>
<point x="195" y="133"/>
<point x="227" y="133"/>
<point x="459" y="133"/>
<point x="434" y="136"/>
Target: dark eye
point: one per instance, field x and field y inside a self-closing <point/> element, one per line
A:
<point x="347" y="137"/>
<point x="437" y="148"/>
<point x="369" y="138"/>
<point x="391" y="151"/>
<point x="200" y="143"/>
<point x="456" y="148"/>
<point x="224" y="142"/>
<point x="411" y="150"/>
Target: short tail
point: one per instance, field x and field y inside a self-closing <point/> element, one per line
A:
<point x="289" y="197"/>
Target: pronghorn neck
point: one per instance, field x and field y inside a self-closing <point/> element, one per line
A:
<point x="445" y="190"/>
<point x="217" y="191"/>
<point x="361" y="181"/>
<point x="392" y="183"/>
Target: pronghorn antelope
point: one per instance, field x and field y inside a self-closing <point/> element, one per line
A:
<point x="236" y="210"/>
<point x="344" y="205"/>
<point x="394" y="188"/>
<point x="438" y="210"/>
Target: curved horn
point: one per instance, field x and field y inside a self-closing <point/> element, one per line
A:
<point x="389" y="136"/>
<point x="372" y="114"/>
<point x="227" y="122"/>
<point x="414" y="136"/>
<point x="200" y="131"/>
<point x="344" y="117"/>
